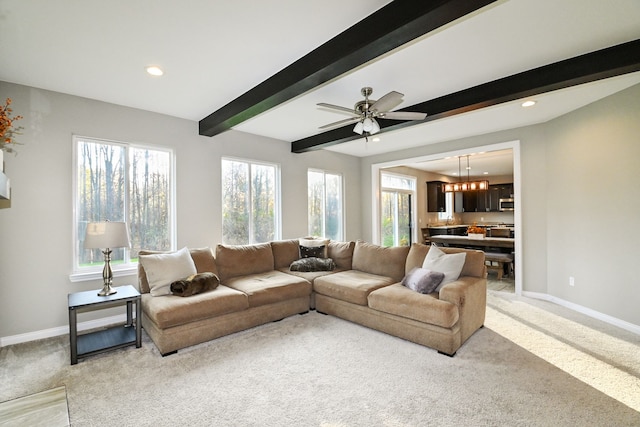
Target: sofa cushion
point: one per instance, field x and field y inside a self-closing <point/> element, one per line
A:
<point x="270" y="287"/>
<point x="379" y="260"/>
<point x="284" y="252"/>
<point x="233" y="261"/>
<point x="309" y="276"/>
<point x="202" y="258"/>
<point x="449" y="264"/>
<point x="341" y="253"/>
<point x="171" y="310"/>
<point x="162" y="269"/>
<point x="351" y="286"/>
<point x="422" y="280"/>
<point x="402" y="301"/>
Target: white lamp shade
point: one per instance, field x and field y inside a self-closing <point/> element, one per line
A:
<point x="102" y="235"/>
<point x="375" y="127"/>
<point x="359" y="128"/>
<point x="367" y="124"/>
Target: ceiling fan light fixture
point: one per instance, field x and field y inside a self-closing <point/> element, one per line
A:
<point x="359" y="128"/>
<point x="375" y="127"/>
<point x="367" y="125"/>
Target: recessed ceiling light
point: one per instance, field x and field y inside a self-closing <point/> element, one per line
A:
<point x="376" y="139"/>
<point x="528" y="103"/>
<point x="154" y="70"/>
<point x="485" y="173"/>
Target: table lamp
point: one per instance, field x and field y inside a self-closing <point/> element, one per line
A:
<point x="107" y="235"/>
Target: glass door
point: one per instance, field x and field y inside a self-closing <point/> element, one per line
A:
<point x="397" y="226"/>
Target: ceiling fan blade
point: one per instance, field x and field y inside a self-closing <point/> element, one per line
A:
<point x="341" y="122"/>
<point x="337" y="108"/>
<point x="387" y="102"/>
<point x="403" y="115"/>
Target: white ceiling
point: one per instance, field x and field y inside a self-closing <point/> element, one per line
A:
<point x="214" y="51"/>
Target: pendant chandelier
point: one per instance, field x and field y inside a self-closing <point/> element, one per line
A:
<point x="467" y="185"/>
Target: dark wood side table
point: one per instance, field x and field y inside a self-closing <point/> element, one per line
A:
<point x="110" y="338"/>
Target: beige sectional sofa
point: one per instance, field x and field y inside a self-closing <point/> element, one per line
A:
<point x="257" y="287"/>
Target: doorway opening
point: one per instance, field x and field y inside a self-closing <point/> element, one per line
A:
<point x="385" y="200"/>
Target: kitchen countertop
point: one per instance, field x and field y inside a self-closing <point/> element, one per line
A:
<point x="444" y="227"/>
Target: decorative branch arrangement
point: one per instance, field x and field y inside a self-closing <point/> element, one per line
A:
<point x="7" y="128"/>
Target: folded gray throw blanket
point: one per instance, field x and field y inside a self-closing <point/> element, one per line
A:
<point x="195" y="284"/>
<point x="312" y="264"/>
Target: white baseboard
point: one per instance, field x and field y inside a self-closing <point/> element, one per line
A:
<point x="61" y="330"/>
<point x="586" y="311"/>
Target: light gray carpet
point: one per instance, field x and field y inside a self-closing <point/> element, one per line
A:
<point x="316" y="370"/>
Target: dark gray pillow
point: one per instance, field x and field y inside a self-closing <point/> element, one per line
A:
<point x="422" y="280"/>
<point x="312" y="264"/>
<point x="311" y="251"/>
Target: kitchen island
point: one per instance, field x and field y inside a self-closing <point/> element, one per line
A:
<point x="466" y="242"/>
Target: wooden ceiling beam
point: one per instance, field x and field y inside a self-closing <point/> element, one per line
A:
<point x="392" y="26"/>
<point x="613" y="61"/>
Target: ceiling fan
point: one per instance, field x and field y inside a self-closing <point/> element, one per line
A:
<point x="366" y="111"/>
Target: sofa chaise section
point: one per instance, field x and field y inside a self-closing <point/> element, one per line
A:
<point x="442" y="320"/>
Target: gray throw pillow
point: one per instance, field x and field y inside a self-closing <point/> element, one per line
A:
<point x="422" y="280"/>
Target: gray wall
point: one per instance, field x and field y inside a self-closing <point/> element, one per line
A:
<point x="35" y="233"/>
<point x="580" y="194"/>
<point x="580" y="198"/>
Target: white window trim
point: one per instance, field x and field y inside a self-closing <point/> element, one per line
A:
<point x="123" y="270"/>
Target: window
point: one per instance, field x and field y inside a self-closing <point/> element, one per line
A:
<point x="250" y="202"/>
<point x="397" y="192"/>
<point x="324" y="190"/>
<point x="448" y="203"/>
<point x="121" y="182"/>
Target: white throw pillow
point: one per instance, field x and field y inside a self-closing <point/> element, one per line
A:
<point x="163" y="269"/>
<point x="449" y="264"/>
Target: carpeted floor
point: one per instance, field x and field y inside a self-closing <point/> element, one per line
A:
<point x="316" y="370"/>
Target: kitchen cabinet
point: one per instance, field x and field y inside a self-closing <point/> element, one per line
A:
<point x="435" y="197"/>
<point x="497" y="192"/>
<point x="470" y="201"/>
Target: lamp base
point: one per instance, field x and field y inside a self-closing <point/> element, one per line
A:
<point x="107" y="290"/>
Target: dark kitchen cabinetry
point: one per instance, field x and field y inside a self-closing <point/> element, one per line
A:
<point x="497" y="192"/>
<point x="435" y="197"/>
<point x="471" y="201"/>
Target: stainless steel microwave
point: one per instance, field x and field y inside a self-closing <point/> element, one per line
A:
<point x="507" y="205"/>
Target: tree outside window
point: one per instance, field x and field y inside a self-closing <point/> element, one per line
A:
<point x="121" y="182"/>
<point x="325" y="204"/>
<point x="250" y="202"/>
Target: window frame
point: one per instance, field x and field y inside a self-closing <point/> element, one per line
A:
<point x="324" y="195"/>
<point x="128" y="268"/>
<point x="277" y="202"/>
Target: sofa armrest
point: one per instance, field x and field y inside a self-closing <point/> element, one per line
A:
<point x="470" y="295"/>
